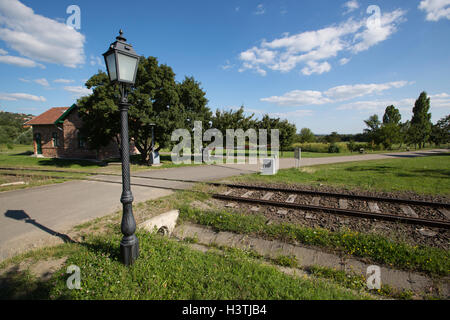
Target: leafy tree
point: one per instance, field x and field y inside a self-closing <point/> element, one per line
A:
<point x="404" y="133"/>
<point x="306" y="135"/>
<point x="391" y="115"/>
<point x="286" y="130"/>
<point x="440" y="132"/>
<point x="333" y="137"/>
<point x="194" y="102"/>
<point x="223" y="120"/>
<point x="12" y="130"/>
<point x="99" y="112"/>
<point x="155" y="99"/>
<point x="373" y="131"/>
<point x="389" y="133"/>
<point x="421" y="120"/>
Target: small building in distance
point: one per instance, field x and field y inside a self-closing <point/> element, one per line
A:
<point x="56" y="134"/>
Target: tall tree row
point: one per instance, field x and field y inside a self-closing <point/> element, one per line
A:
<point x="416" y="131"/>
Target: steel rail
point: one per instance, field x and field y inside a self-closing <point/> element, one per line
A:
<point x="345" y="212"/>
<point x="338" y="195"/>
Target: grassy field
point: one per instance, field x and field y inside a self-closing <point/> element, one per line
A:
<point x="168" y="269"/>
<point x="423" y="175"/>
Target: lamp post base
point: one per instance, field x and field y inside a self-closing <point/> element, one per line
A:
<point x="129" y="250"/>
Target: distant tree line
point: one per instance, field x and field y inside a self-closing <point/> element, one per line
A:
<point x="12" y="130"/>
<point x="391" y="130"/>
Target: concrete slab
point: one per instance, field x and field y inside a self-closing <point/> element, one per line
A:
<point x="409" y="211"/>
<point x="163" y="223"/>
<point x="291" y="198"/>
<point x="343" y="204"/>
<point x="267" y="196"/>
<point x="373" y="206"/>
<point x="307" y="257"/>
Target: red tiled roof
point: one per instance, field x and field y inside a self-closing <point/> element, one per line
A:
<point x="48" y="117"/>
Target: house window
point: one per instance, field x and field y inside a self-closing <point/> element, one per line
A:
<point x="81" y="141"/>
<point x="55" y="139"/>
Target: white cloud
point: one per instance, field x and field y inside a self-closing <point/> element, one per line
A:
<point x="297" y="98"/>
<point x="377" y="105"/>
<point x="97" y="61"/>
<point x="435" y="9"/>
<point x="314" y="67"/>
<point x="295" y="114"/>
<point x="78" y="91"/>
<point x="378" y="30"/>
<point x="351" y="6"/>
<point x="21" y="96"/>
<point x="344" y="61"/>
<point x="314" y="48"/>
<point x="39" y="38"/>
<point x="441" y="100"/>
<point x="42" y="82"/>
<point x="63" y="81"/>
<point x="260" y="9"/>
<point x="227" y="65"/>
<point x="348" y="92"/>
<point x="19" y="61"/>
<point x="3" y="52"/>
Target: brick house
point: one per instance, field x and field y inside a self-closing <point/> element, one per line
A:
<point x="56" y="134"/>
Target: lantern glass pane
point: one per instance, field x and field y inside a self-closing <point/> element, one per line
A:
<point x="111" y="61"/>
<point x="127" y="67"/>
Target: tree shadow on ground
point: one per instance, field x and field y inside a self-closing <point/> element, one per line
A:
<point x="67" y="163"/>
<point x="16" y="284"/>
<point x="103" y="247"/>
<point x="417" y="154"/>
<point x="381" y="169"/>
<point x="431" y="173"/>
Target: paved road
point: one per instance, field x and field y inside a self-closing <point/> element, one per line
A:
<point x="32" y="216"/>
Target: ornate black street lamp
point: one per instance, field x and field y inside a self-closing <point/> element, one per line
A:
<point x="122" y="63"/>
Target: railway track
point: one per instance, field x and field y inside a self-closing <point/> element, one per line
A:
<point x="405" y="211"/>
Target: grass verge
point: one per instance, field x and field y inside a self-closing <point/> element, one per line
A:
<point x="423" y="175"/>
<point x="169" y="270"/>
<point x="432" y="261"/>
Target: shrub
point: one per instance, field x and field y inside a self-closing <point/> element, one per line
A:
<point x="333" y="148"/>
<point x="312" y="147"/>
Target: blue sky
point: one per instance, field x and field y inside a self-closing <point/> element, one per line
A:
<point x="325" y="65"/>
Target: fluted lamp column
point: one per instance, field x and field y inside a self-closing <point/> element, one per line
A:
<point x="122" y="64"/>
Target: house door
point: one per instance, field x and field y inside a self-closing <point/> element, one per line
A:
<point x="38" y="143"/>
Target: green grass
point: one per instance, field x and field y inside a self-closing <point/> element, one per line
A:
<point x="423" y="175"/>
<point x="433" y="261"/>
<point x="356" y="282"/>
<point x="169" y="270"/>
